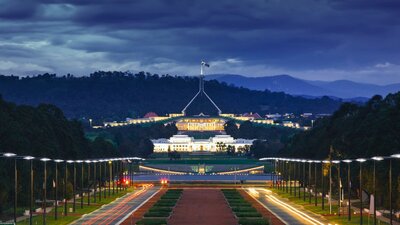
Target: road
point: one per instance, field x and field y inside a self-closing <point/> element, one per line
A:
<point x="285" y="211"/>
<point x="118" y="210"/>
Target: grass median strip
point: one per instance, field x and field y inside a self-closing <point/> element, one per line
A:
<point x="159" y="213"/>
<point x="244" y="211"/>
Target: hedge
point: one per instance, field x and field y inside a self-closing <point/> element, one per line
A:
<point x="147" y="221"/>
<point x="248" y="214"/>
<point x="253" y="221"/>
<point x="157" y="214"/>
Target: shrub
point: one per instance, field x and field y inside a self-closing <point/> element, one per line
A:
<point x="253" y="221"/>
<point x="243" y="209"/>
<point x="160" y="209"/>
<point x="147" y="221"/>
<point x="248" y="214"/>
<point x="157" y="214"/>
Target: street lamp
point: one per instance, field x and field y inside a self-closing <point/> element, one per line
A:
<point x="55" y="189"/>
<point x="30" y="158"/>
<point x="44" y="160"/>
<point x="88" y="181"/>
<point x="65" y="188"/>
<point x="315" y="182"/>
<point x="322" y="183"/>
<point x="100" y="179"/>
<point x="82" y="174"/>
<point x="361" y="202"/>
<point x="396" y="156"/>
<point x="376" y="158"/>
<point x="73" y="185"/>
<point x="348" y="161"/>
<point x="309" y="180"/>
<point x="13" y="155"/>
<point x="339" y="184"/>
<point x="304" y="179"/>
<point x="95" y="180"/>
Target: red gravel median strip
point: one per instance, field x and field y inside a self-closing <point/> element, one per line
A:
<point x="202" y="207"/>
<point x="261" y="209"/>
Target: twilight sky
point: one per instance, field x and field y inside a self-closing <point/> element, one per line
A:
<point x="357" y="40"/>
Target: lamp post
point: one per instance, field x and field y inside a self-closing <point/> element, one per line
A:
<point x="396" y="156"/>
<point x="73" y="185"/>
<point x="13" y="155"/>
<point x="361" y="200"/>
<point x="30" y="158"/>
<point x="323" y="185"/>
<point x="273" y="173"/>
<point x="88" y="181"/>
<point x="330" y="186"/>
<point x="337" y="162"/>
<point x="315" y="183"/>
<point x="95" y="181"/>
<point x="105" y="178"/>
<point x="292" y="168"/>
<point x="309" y="180"/>
<point x="348" y="161"/>
<point x="65" y="188"/>
<point x="376" y="158"/>
<point x="304" y="179"/>
<point x="100" y="179"/>
<point x="55" y="188"/>
<point x="110" y="178"/>
<point x="44" y="160"/>
<point x="82" y="174"/>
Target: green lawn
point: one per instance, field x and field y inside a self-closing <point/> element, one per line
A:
<point x="333" y="218"/>
<point x="76" y="215"/>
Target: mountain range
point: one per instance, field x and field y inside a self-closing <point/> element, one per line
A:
<point x="344" y="89"/>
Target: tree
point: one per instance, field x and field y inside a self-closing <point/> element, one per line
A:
<point x="230" y="150"/>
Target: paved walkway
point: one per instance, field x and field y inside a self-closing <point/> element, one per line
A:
<point x="202" y="207"/>
<point x="117" y="211"/>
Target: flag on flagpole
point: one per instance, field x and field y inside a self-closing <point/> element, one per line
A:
<point x="54" y="184"/>
<point x="205" y="64"/>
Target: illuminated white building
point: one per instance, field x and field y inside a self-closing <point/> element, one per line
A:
<point x="184" y="143"/>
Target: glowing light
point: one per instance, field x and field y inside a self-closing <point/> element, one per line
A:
<point x="9" y="154"/>
<point x="29" y="157"/>
<point x="377" y="158"/>
<point x="240" y="171"/>
<point x="160" y="170"/>
<point x="396" y="156"/>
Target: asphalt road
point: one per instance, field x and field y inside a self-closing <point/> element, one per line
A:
<point x="288" y="213"/>
<point x="118" y="210"/>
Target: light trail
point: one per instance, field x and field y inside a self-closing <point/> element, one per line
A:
<point x="161" y="170"/>
<point x="294" y="210"/>
<point x="116" y="211"/>
<point x="241" y="171"/>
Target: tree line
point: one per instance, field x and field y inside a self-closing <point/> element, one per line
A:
<point x="117" y="95"/>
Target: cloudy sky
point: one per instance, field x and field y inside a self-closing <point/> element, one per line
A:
<point x="311" y="39"/>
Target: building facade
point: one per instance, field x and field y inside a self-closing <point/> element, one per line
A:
<point x="200" y="124"/>
<point x="184" y="143"/>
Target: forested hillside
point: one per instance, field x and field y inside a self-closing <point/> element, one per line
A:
<point x="117" y="95"/>
<point x="353" y="131"/>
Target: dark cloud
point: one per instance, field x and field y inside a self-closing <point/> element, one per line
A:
<point x="260" y="36"/>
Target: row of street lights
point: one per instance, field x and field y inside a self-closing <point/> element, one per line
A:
<point x="112" y="168"/>
<point x="283" y="173"/>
